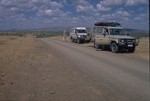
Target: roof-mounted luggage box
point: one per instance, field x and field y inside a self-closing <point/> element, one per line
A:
<point x="112" y="24"/>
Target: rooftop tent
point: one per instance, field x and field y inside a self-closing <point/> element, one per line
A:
<point x="113" y="24"/>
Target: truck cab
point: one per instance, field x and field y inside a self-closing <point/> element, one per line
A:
<point x="112" y="36"/>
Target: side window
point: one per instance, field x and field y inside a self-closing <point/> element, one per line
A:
<point x="98" y="31"/>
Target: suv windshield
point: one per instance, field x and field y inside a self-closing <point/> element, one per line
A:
<point x="117" y="32"/>
<point x="81" y="31"/>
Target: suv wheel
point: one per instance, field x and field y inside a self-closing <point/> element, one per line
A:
<point x="114" y="47"/>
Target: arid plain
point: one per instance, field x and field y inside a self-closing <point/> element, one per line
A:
<point x="32" y="70"/>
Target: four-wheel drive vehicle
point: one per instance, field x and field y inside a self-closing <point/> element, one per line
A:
<point x="111" y="35"/>
<point x="79" y="34"/>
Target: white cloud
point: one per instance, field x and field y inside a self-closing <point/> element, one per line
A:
<point x="107" y="16"/>
<point x="86" y="9"/>
<point x="102" y="8"/>
<point x="39" y="1"/>
<point x="16" y="7"/>
<point x="84" y="6"/>
<point x="32" y="13"/>
<point x="126" y="2"/>
<point x="117" y="16"/>
<point x="80" y="8"/>
<point x="81" y="2"/>
<point x="135" y="2"/>
<point x="137" y="19"/>
<point x="55" y="4"/>
<point x="50" y="12"/>
<point x="111" y="2"/>
<point x="121" y="13"/>
<point x="141" y="17"/>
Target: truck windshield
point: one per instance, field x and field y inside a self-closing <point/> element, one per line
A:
<point x="117" y="32"/>
<point x="81" y="31"/>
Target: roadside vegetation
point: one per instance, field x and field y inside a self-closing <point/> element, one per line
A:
<point x="37" y="34"/>
<point x="142" y="49"/>
<point x="138" y="34"/>
<point x="49" y="33"/>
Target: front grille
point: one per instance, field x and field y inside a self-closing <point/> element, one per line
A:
<point x="129" y="40"/>
<point x="83" y="36"/>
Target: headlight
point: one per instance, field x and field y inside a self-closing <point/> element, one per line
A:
<point x="79" y="36"/>
<point x="122" y="40"/>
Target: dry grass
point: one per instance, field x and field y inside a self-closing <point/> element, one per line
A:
<point x="13" y="48"/>
<point x="13" y="52"/>
<point x="19" y="51"/>
<point x="21" y="61"/>
<point x="142" y="50"/>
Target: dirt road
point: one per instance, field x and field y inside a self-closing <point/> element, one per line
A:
<point x="107" y="76"/>
<point x="53" y="70"/>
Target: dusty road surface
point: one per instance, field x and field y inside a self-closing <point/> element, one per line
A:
<point x="104" y="76"/>
<point x="51" y="70"/>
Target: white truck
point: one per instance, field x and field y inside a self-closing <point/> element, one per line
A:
<point x="110" y="35"/>
<point x="79" y="34"/>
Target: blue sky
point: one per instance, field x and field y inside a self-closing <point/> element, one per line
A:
<point x="24" y="14"/>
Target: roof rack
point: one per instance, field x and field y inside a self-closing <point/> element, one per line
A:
<point x="112" y="24"/>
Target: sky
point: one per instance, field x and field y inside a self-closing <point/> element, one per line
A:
<point x="28" y="14"/>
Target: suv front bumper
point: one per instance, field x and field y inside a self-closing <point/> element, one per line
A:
<point x="127" y="45"/>
<point x="83" y="38"/>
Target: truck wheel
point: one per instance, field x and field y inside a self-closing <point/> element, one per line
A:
<point x="96" y="45"/>
<point x="78" y="41"/>
<point x="114" y="47"/>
